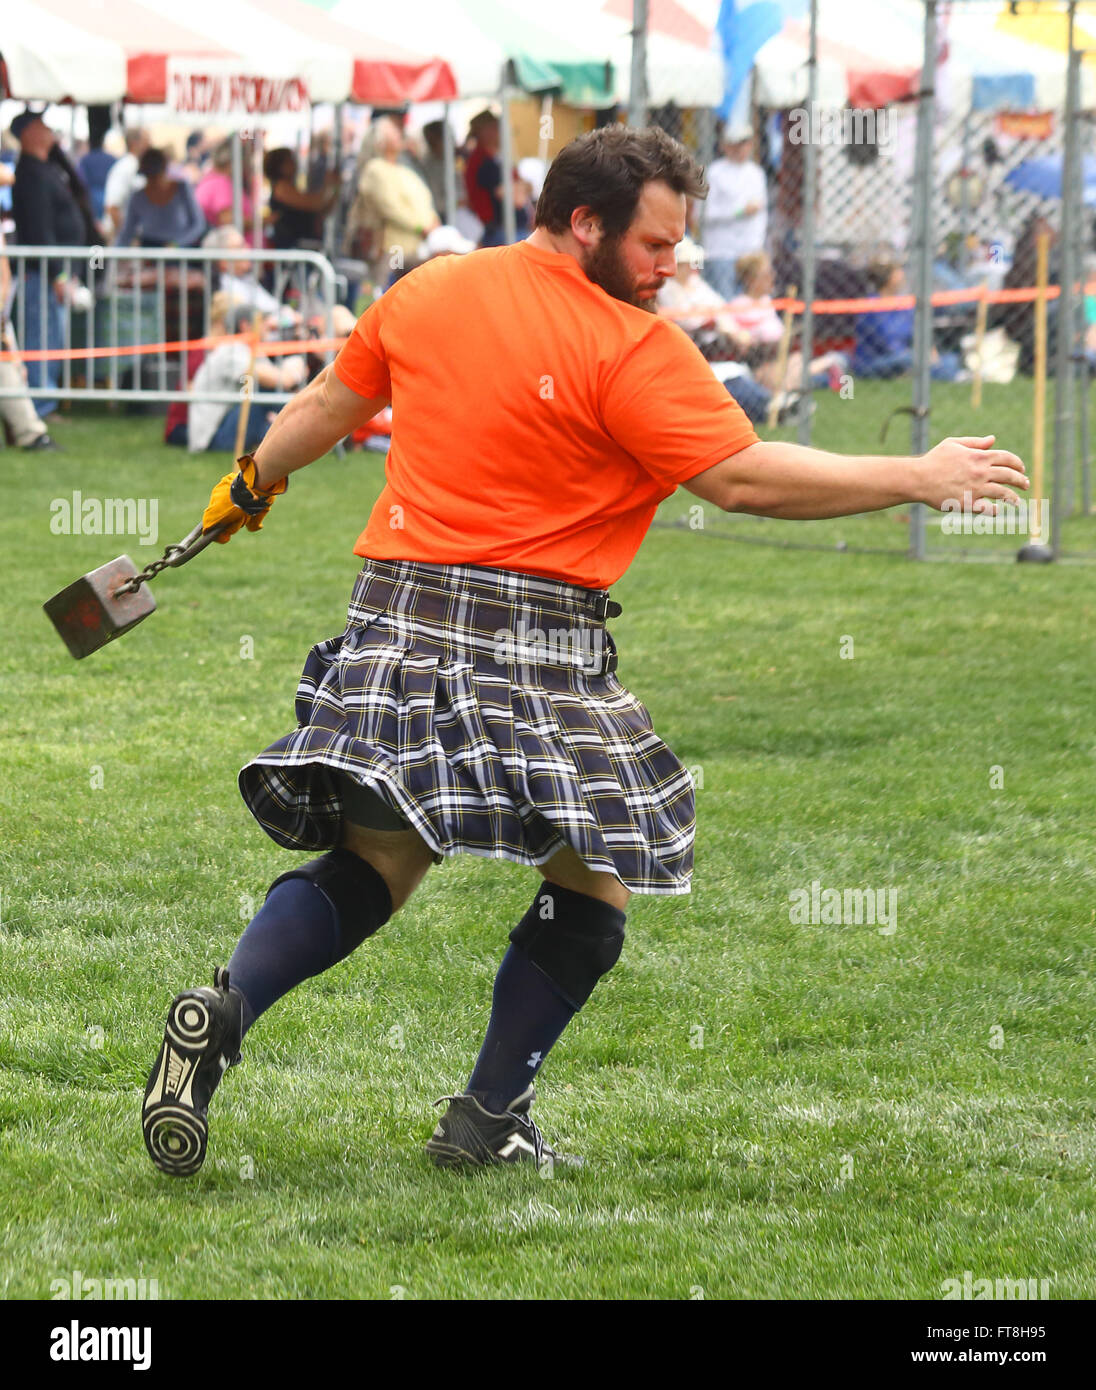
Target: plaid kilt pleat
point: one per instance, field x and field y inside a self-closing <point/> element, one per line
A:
<point x="483" y="706"/>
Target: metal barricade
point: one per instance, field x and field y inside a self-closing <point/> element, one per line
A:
<point x="126" y="336"/>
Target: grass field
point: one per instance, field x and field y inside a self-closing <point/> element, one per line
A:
<point x="768" y="1109"/>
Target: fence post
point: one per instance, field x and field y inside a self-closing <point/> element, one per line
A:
<point x="450" y="168"/>
<point x="237" y="181"/>
<point x="255" y="179"/>
<point x="335" y="221"/>
<point x="922" y="323"/>
<point x="1061" y="500"/>
<point x="810" y="192"/>
<point x="637" y="96"/>
<point x="506" y="158"/>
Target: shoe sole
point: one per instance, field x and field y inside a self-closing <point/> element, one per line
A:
<point x="175" y="1132"/>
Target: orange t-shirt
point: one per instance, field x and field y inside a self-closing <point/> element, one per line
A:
<point x="537" y="421"/>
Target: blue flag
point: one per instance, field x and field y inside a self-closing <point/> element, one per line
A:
<point x="742" y="29"/>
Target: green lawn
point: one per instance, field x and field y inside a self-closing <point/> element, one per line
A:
<point x="768" y="1109"/>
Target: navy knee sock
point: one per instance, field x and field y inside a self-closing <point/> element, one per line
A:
<point x="296" y="934"/>
<point x="531" y="1007"/>
<point x="528" y="1014"/>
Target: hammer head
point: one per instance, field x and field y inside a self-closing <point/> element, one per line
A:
<point x="90" y="612"/>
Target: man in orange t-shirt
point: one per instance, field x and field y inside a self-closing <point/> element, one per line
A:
<point x="541" y="411"/>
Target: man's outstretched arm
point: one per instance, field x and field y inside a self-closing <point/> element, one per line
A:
<point x="309" y="425"/>
<point x="798" y="483"/>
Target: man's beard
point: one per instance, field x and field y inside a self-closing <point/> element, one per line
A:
<point x="605" y="266"/>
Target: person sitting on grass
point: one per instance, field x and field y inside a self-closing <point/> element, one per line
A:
<point x="698" y="309"/>
<point x="212" y="425"/>
<point x="19" y="421"/>
<point x="755" y="315"/>
<point x="884" y="337"/>
<point x="234" y="276"/>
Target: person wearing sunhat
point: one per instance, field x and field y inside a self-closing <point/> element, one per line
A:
<point x="47" y="213"/>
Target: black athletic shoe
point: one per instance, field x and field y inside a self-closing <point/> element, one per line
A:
<point x="44" y="443"/>
<point x="201" y="1039"/>
<point x="468" y="1134"/>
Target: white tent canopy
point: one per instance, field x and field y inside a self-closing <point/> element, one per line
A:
<point x="781" y="75"/>
<point x="476" y="59"/>
<point x="684" y="64"/>
<point x="49" y="58"/>
<point x="481" y="38"/>
<point x="683" y="67"/>
<point x="261" y="56"/>
<point x="869" y="55"/>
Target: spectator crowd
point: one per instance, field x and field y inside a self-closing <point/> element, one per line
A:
<point x="382" y="211"/>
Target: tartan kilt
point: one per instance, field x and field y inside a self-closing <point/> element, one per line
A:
<point x="482" y="706"/>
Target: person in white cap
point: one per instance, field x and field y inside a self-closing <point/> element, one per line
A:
<point x="736" y="213"/>
<point x="697" y="306"/>
<point x="439" y="241"/>
<point x="445" y="241"/>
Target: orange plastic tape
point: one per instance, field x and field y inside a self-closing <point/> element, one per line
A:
<point x="874" y="305"/>
<point x="276" y="349"/>
<point x="877" y="304"/>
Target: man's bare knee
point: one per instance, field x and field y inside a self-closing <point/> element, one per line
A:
<point x="401" y="857"/>
<point x="569" y="871"/>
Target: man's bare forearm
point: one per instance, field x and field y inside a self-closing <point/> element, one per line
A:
<point x="309" y="425"/>
<point x="798" y="483"/>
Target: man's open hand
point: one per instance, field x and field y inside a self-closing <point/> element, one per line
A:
<point x="969" y="472"/>
<point x="236" y="501"/>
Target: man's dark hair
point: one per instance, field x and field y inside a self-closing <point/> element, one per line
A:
<point x="605" y="170"/>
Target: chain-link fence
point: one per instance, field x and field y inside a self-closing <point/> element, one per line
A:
<point x="848" y="380"/>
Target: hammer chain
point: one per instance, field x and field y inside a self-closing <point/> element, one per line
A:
<point x="173" y="556"/>
<point x="151" y="570"/>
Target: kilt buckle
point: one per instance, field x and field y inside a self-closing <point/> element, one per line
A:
<point x="606" y="607"/>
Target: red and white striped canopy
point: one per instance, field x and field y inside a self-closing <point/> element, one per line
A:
<point x="220" y="57"/>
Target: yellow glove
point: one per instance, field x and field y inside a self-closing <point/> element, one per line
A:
<point x="237" y="502"/>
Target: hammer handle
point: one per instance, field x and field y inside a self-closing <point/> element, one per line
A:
<point x="194" y="542"/>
